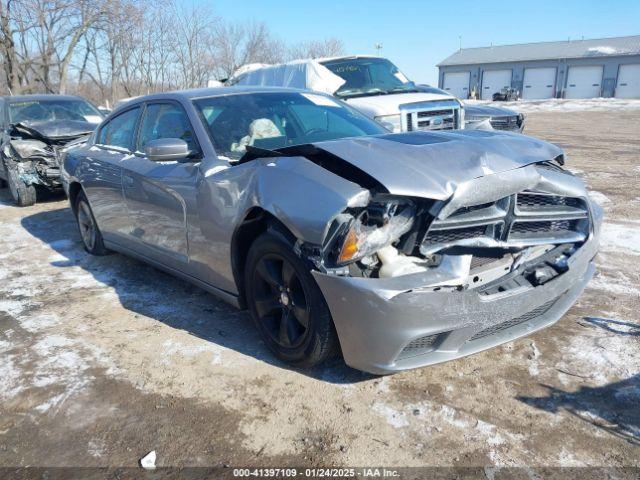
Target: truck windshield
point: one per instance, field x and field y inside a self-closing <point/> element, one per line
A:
<point x="369" y="76"/>
<point x="47" y="110"/>
<point x="278" y="119"/>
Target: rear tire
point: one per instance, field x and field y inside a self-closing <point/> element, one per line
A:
<point x="24" y="195"/>
<point x="286" y="304"/>
<point x="89" y="231"/>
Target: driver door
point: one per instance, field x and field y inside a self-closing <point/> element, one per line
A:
<point x="160" y="195"/>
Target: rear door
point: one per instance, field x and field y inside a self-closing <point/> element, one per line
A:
<point x="457" y="84"/>
<point x="158" y="194"/>
<point x="493" y="81"/>
<point x="628" y="85"/>
<point x="584" y="82"/>
<point x="101" y="174"/>
<point x="539" y="83"/>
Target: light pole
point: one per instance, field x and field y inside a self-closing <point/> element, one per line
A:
<point x="378" y="47"/>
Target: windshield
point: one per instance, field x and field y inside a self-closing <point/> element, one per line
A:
<point x="276" y="120"/>
<point x="47" y="110"/>
<point x="369" y="76"/>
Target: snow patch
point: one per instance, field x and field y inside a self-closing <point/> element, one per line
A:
<point x="39" y="322"/>
<point x="172" y="348"/>
<point x="603" y="50"/>
<point x="617" y="236"/>
<point x="599" y="197"/>
<point x="566" y="105"/>
<point x="394" y="417"/>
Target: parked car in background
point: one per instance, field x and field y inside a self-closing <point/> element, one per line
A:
<point x="34" y="129"/>
<point x="400" y="250"/>
<point x="498" y="118"/>
<point x="506" y="95"/>
<point x="487" y="117"/>
<point x="372" y="85"/>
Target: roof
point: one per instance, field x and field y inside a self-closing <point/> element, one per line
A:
<point x="601" y="47"/>
<point x="195" y="93"/>
<point x="40" y="97"/>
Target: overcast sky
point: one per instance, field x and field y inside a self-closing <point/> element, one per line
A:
<point x="416" y="35"/>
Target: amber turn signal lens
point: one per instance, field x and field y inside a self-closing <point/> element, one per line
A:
<point x="350" y="247"/>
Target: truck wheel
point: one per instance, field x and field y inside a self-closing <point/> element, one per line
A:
<point x="89" y="231"/>
<point x="286" y="304"/>
<point x="24" y="195"/>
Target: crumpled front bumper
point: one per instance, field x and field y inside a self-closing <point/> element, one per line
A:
<point x="377" y="318"/>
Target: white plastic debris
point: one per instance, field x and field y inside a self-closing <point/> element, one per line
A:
<point x="148" y="462"/>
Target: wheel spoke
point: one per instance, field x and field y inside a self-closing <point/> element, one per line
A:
<point x="270" y="273"/>
<point x="283" y="332"/>
<point x="302" y="315"/>
<point x="267" y="305"/>
<point x="288" y="274"/>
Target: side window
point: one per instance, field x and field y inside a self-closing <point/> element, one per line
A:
<point x="165" y="120"/>
<point x="120" y="131"/>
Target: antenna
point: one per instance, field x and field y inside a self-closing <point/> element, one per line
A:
<point x="378" y="47"/>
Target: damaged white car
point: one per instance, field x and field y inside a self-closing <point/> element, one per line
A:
<point x="399" y="250"/>
<point x="34" y="128"/>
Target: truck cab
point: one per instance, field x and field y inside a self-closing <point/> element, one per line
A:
<point x="372" y="85"/>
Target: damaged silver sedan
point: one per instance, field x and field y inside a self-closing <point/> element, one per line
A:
<point x="399" y="250"/>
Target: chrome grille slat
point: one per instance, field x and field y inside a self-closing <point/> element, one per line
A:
<point x="437" y="115"/>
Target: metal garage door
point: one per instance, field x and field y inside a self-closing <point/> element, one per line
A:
<point x="457" y="84"/>
<point x="539" y="82"/>
<point x="493" y="81"/>
<point x="584" y="82"/>
<point x="628" y="81"/>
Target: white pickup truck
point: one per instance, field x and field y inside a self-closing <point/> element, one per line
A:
<point x="372" y="85"/>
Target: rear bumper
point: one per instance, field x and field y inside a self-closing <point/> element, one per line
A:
<point x="377" y="318"/>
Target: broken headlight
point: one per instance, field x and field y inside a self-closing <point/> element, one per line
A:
<point x="28" y="148"/>
<point x="377" y="226"/>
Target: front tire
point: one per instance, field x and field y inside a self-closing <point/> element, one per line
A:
<point x="286" y="304"/>
<point x="24" y="195"/>
<point x="89" y="231"/>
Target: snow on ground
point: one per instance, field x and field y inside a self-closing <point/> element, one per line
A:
<point x="618" y="236"/>
<point x="564" y="105"/>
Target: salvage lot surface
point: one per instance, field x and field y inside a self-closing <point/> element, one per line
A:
<point x="104" y="359"/>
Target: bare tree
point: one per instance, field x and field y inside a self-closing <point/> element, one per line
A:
<point x="329" y="47"/>
<point x="236" y="45"/>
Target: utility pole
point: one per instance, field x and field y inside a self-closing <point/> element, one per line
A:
<point x="378" y="47"/>
<point x="459" y="42"/>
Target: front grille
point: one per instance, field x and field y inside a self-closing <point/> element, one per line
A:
<point x="505" y="123"/>
<point x="452" y="235"/>
<point x="544" y="227"/>
<point x="531" y="315"/>
<point x="520" y="220"/>
<point x="421" y="345"/>
<point x="440" y="115"/>
<point x="531" y="200"/>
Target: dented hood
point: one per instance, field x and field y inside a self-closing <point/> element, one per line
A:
<point x="56" y="130"/>
<point x="433" y="165"/>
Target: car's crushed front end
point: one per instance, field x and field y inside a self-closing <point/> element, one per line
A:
<point x="34" y="148"/>
<point x="456" y="258"/>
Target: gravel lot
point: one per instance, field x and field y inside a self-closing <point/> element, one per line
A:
<point x="105" y="359"/>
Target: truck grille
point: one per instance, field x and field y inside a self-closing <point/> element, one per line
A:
<point x="520" y="220"/>
<point x="511" y="122"/>
<point x="431" y="116"/>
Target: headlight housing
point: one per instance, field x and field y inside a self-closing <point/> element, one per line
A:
<point x="391" y="122"/>
<point x="377" y="226"/>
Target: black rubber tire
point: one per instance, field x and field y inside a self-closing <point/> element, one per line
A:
<point x="23" y="195"/>
<point x="88" y="228"/>
<point x="319" y="341"/>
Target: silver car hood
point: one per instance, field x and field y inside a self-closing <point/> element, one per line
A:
<point x="433" y="165"/>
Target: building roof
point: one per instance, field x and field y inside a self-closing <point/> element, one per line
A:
<point x="600" y="47"/>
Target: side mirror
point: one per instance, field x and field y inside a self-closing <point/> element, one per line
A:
<point x="166" y="149"/>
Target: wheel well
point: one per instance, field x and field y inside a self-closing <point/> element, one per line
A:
<point x="74" y="190"/>
<point x="255" y="223"/>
